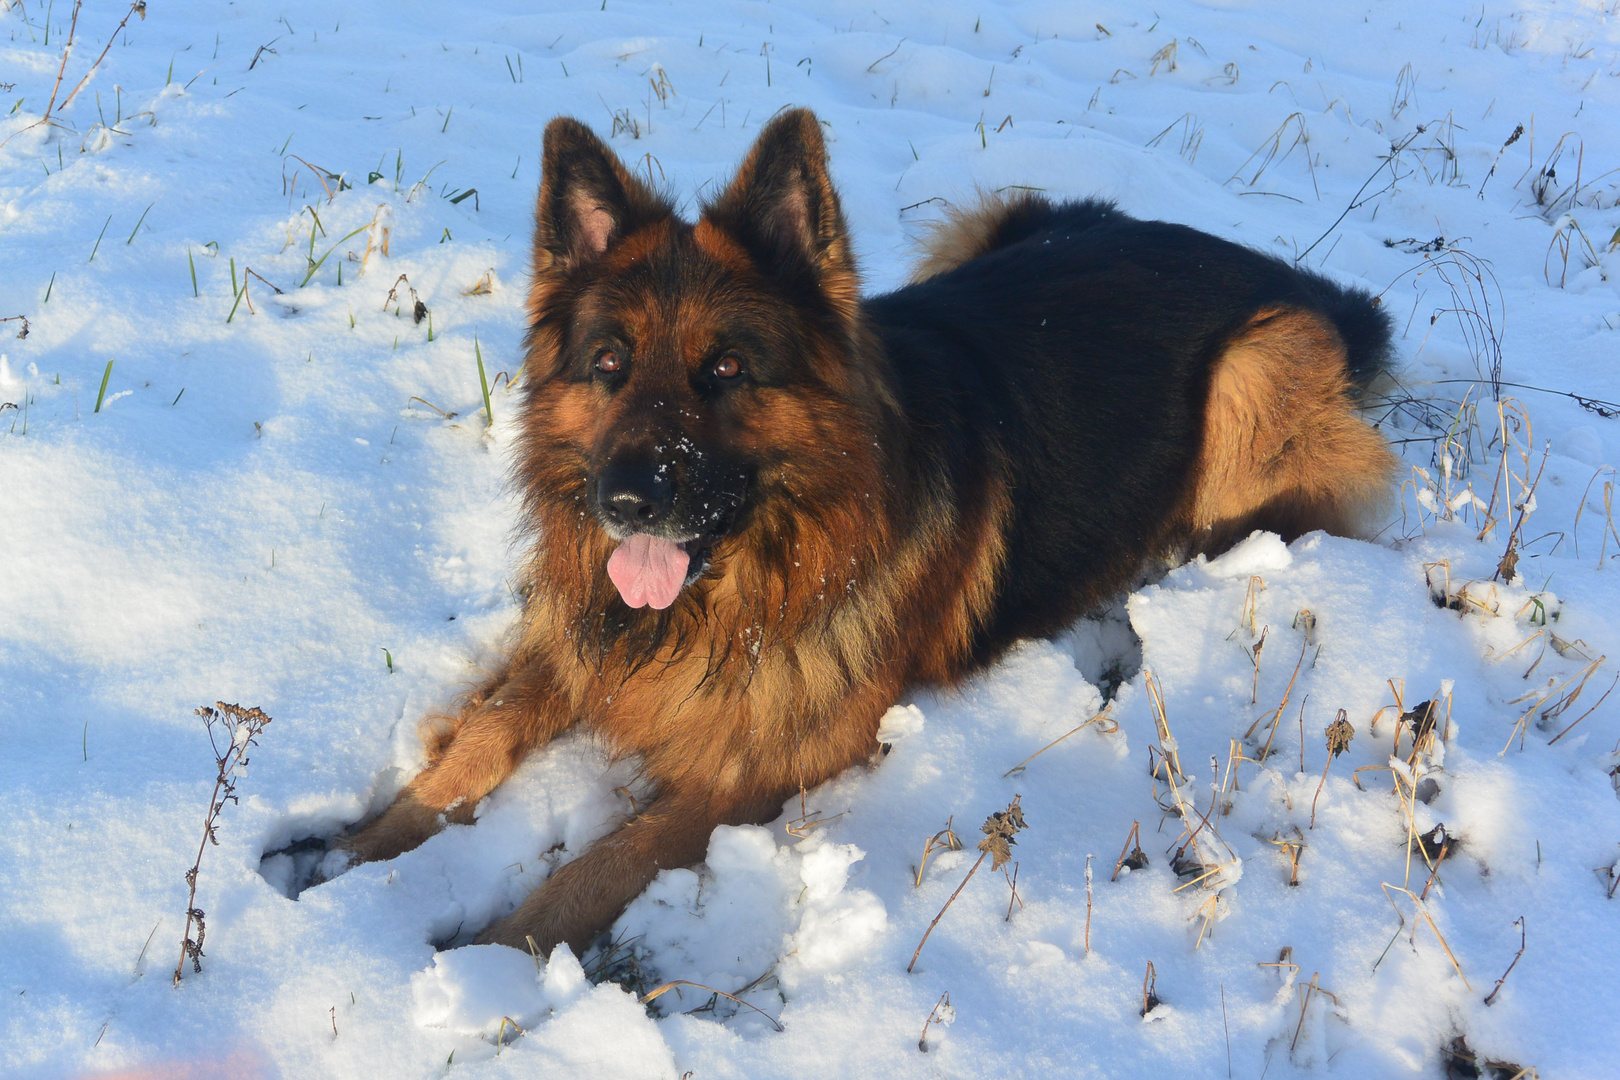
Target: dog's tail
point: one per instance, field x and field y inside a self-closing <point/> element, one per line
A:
<point x="994" y="221"/>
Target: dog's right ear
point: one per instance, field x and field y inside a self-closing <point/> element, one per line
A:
<point x="587" y="199"/>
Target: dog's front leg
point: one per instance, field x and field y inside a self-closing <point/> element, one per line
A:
<point x="583" y="897"/>
<point x="485" y="745"/>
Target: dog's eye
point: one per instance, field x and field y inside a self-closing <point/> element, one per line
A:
<point x="607" y="361"/>
<point x="729" y="367"/>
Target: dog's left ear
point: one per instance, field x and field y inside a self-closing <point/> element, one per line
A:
<point x="782" y="208"/>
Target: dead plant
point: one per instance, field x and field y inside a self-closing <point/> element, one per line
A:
<point x="999" y="830"/>
<point x="232" y="732"/>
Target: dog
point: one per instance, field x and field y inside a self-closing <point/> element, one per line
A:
<point x="763" y="507"/>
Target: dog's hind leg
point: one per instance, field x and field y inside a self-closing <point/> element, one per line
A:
<point x="480" y="750"/>
<point x="1284" y="448"/>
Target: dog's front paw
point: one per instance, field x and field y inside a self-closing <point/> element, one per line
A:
<point x="304" y="864"/>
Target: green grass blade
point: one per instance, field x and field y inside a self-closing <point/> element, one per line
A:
<point x="97" y="248"/>
<point x="236" y="305"/>
<point x="138" y="224"/>
<point x="317" y="265"/>
<point x="483" y="381"/>
<point x="102" y="393"/>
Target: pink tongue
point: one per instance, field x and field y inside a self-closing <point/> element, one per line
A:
<point x="648" y="571"/>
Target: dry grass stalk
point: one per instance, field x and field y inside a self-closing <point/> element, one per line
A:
<point x="1251" y="602"/>
<point x="1476" y="301"/>
<point x="1105" y="724"/>
<point x="1308" y="991"/>
<point x="999" y="830"/>
<point x="288" y="183"/>
<point x="1165" y="56"/>
<point x="500" y="1032"/>
<point x="1440" y="857"/>
<point x="1612" y="878"/>
<point x="378" y="236"/>
<point x="1507" y="567"/>
<point x="1012" y="884"/>
<point x="1089" y="857"/>
<point x="1293" y="848"/>
<point x="241" y="729"/>
<point x="484" y="286"/>
<point x="419" y="310"/>
<point x="1208" y="909"/>
<point x="1276" y="715"/>
<point x="946" y="839"/>
<point x="1339" y="733"/>
<point x="1254" y="659"/>
<point x="1521" y="727"/>
<point x="1137" y="858"/>
<point x="1423" y="913"/>
<point x="1587" y="713"/>
<point x="1285" y="960"/>
<point x="1511" y="419"/>
<point x="1490" y="999"/>
<point x="1608" y="511"/>
<point x="1569" y="239"/>
<point x="1161" y="722"/>
<point x="1407" y="795"/>
<point x="1273" y="150"/>
<point x="1192" y="135"/>
<point x="1150" y="988"/>
<point x="247" y="272"/>
<point x="672" y="984"/>
<point x="1208" y="872"/>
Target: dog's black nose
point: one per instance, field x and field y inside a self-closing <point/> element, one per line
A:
<point x="635" y="496"/>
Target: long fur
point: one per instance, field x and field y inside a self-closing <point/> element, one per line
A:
<point x="911" y="482"/>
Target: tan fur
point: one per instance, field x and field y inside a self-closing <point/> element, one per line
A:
<point x="1284" y="447"/>
<point x="966" y="233"/>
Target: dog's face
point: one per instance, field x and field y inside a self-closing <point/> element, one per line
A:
<point x="678" y="368"/>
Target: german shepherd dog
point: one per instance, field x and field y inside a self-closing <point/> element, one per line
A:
<point x="764" y="507"/>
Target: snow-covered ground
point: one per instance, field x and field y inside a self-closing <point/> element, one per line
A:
<point x="295" y="504"/>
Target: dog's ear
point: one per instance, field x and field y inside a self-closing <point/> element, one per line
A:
<point x="782" y="208"/>
<point x="587" y="199"/>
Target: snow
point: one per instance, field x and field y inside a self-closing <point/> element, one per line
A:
<point x="298" y="507"/>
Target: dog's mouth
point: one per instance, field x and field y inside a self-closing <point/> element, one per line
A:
<point x="651" y="571"/>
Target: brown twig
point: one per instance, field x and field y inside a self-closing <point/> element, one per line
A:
<point x="1089" y="857"/>
<point x="137" y="8"/>
<point x="1490" y="999"/>
<point x="1508" y="564"/>
<point x="943" y="1002"/>
<point x="1104" y="724"/>
<point x="1012" y="883"/>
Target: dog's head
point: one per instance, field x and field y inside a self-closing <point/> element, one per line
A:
<point x="684" y="376"/>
